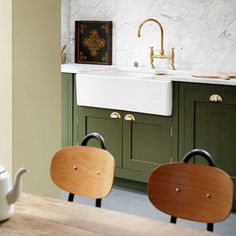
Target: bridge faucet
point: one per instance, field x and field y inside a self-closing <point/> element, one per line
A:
<point x="162" y="52"/>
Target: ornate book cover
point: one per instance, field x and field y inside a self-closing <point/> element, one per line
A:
<point x="93" y="42"/>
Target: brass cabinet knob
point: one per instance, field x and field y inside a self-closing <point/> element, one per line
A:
<point x="129" y="117"/>
<point x="215" y="98"/>
<point x="115" y="115"/>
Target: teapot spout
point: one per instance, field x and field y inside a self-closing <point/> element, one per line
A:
<point x="14" y="193"/>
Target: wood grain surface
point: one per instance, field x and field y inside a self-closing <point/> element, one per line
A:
<point x="83" y="170"/>
<point x="215" y="75"/>
<point x="36" y="215"/>
<point x="192" y="191"/>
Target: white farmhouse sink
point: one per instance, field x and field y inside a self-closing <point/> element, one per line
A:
<point x="125" y="90"/>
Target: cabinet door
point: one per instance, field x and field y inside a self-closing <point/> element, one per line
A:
<point x="209" y="125"/>
<point x="146" y="142"/>
<point x="67" y="94"/>
<point x="99" y="120"/>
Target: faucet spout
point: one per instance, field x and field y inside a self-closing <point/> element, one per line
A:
<point x="161" y="29"/>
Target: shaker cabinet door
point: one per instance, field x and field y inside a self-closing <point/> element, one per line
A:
<point x="209" y="124"/>
<point x="146" y="141"/>
<point x="106" y="124"/>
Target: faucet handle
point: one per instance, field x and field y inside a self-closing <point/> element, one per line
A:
<point x="151" y="50"/>
<point x="172" y="56"/>
<point x="152" y="57"/>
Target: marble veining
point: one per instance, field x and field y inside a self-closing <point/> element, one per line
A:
<point x="204" y="29"/>
<point x="172" y="75"/>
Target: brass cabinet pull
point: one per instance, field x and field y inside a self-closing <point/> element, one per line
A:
<point x="115" y="115"/>
<point x="129" y="117"/>
<point x="215" y="98"/>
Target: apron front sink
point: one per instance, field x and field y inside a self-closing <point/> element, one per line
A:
<point x="125" y="90"/>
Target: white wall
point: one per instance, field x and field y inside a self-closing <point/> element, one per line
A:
<point x="206" y="30"/>
<point x="6" y="84"/>
<point x="65" y="20"/>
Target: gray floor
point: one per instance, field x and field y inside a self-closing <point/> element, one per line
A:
<point x="137" y="203"/>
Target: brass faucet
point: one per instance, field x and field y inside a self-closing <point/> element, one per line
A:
<point x="162" y="52"/>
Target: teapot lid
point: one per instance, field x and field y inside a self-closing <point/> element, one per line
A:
<point x="2" y="169"/>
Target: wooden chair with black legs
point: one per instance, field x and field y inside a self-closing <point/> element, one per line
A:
<point x="84" y="170"/>
<point x="197" y="192"/>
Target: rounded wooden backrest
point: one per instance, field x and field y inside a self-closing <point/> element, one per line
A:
<point x="191" y="191"/>
<point x="83" y="170"/>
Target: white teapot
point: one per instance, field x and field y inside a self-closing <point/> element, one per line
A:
<point x="8" y="194"/>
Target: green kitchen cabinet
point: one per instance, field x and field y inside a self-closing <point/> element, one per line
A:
<point x="68" y="108"/>
<point x="138" y="142"/>
<point x="204" y="116"/>
<point x="207" y="120"/>
<point x="98" y="120"/>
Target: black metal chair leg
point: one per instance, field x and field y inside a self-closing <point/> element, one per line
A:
<point x="71" y="197"/>
<point x="98" y="202"/>
<point x="210" y="227"/>
<point x="173" y="219"/>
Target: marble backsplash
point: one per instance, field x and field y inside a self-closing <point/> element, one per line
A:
<point x="204" y="31"/>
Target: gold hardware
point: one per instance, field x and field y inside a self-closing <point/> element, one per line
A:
<point x="178" y="190"/>
<point x="208" y="195"/>
<point x="215" y="98"/>
<point x="98" y="172"/>
<point x="172" y="58"/>
<point x="162" y="52"/>
<point x="115" y="115"/>
<point x="75" y="167"/>
<point x="161" y="28"/>
<point x="129" y="117"/>
<point x="152" y="57"/>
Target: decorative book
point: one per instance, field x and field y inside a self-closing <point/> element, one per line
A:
<point x="93" y="42"/>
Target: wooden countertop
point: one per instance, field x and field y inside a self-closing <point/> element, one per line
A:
<point x="36" y="215"/>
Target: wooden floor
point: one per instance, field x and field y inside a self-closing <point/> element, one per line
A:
<point x="134" y="202"/>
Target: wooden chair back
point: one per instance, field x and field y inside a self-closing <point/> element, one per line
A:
<point x="192" y="191"/>
<point x="83" y="170"/>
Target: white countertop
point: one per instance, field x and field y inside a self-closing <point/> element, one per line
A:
<point x="178" y="75"/>
<point x="76" y="68"/>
